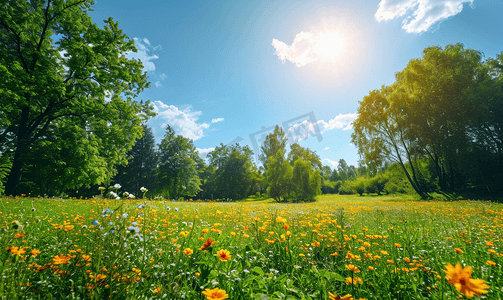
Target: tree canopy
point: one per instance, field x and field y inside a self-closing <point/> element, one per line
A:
<point x="66" y="93"/>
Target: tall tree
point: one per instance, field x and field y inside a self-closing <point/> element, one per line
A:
<point x="438" y="95"/>
<point x="296" y="151"/>
<point x="233" y="171"/>
<point x="142" y="161"/>
<point x="273" y="143"/>
<point x="279" y="177"/>
<point x="178" y="173"/>
<point x="66" y="94"/>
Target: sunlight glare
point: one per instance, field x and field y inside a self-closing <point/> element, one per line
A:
<point x="328" y="45"/>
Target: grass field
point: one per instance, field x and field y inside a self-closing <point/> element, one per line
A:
<point x="367" y="247"/>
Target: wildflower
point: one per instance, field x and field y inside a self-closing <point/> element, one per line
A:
<point x="176" y="208"/>
<point x="215" y="294"/>
<point x="157" y="290"/>
<point x="459" y="250"/>
<point x="207" y="244"/>
<point x="352" y="268"/>
<point x="489" y="244"/>
<point x="224" y="255"/>
<point x="95" y="222"/>
<point x="117" y="186"/>
<point x="35" y="252"/>
<point x="355" y="280"/>
<point x="143" y="189"/>
<point x="188" y="251"/>
<point x="17" y="251"/>
<point x="61" y="259"/>
<point x="18" y="235"/>
<point x="100" y="277"/>
<point x="460" y="278"/>
<point x="491" y="263"/>
<point x="337" y="297"/>
<point x="398" y="245"/>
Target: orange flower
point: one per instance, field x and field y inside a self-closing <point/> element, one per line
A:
<point x="215" y="294"/>
<point x="207" y="244"/>
<point x="337" y="297"/>
<point x="100" y="277"/>
<point x="224" y="255"/>
<point x="188" y="251"/>
<point x="285" y="226"/>
<point x="459" y="250"/>
<point x="461" y="279"/>
<point x="61" y="259"/>
<point x="35" y="252"/>
<point x="157" y="290"/>
<point x="352" y="268"/>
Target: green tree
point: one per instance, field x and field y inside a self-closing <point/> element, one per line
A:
<point x="66" y="94"/>
<point x="279" y="177"/>
<point x="234" y="173"/>
<point x="178" y="173"/>
<point x="296" y="151"/>
<point x="380" y="134"/>
<point x="140" y="170"/>
<point x="272" y="144"/>
<point x="439" y="105"/>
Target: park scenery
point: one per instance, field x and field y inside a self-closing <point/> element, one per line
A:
<point x="105" y="196"/>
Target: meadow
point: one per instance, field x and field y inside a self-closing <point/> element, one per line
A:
<point x="339" y="247"/>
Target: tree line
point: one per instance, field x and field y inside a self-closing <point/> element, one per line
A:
<point x="70" y="122"/>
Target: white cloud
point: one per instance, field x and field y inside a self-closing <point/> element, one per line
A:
<point x="344" y="122"/>
<point x="308" y="47"/>
<point x="302" y="130"/>
<point x="217" y="120"/>
<point x="333" y="164"/>
<point x="419" y="15"/>
<point x="204" y="152"/>
<point x="157" y="83"/>
<point x="184" y="122"/>
<point x="326" y="148"/>
<point x="144" y="53"/>
<point x="163" y="76"/>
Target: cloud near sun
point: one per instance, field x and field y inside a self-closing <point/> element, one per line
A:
<point x="420" y="14"/>
<point x="308" y="47"/>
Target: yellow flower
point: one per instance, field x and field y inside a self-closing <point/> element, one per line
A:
<point x="35" y="252"/>
<point x="352" y="268"/>
<point x="188" y="251"/>
<point x="355" y="280"/>
<point x="215" y="294"/>
<point x="224" y="255"/>
<point x="491" y="263"/>
<point x="398" y="245"/>
<point x="157" y="290"/>
<point x="461" y="279"/>
<point x="337" y="297"/>
<point x="489" y="244"/>
<point x="61" y="259"/>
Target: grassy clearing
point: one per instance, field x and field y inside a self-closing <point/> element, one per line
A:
<point x="368" y="247"/>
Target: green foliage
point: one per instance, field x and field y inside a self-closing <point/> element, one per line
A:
<point x="330" y="187"/>
<point x="68" y="115"/>
<point x="142" y="161"/>
<point x="358" y="185"/>
<point x="177" y="173"/>
<point x="436" y="119"/>
<point x="279" y="177"/>
<point x="273" y="143"/>
<point x="232" y="173"/>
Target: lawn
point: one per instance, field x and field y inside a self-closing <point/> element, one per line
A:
<point x="370" y="247"/>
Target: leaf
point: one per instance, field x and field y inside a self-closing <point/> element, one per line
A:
<point x="258" y="271"/>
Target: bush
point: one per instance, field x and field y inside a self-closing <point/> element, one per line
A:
<point x="346" y="189"/>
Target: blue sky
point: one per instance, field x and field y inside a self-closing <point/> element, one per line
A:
<point x="227" y="71"/>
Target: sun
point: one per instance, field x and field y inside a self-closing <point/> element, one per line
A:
<point x="328" y="45"/>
